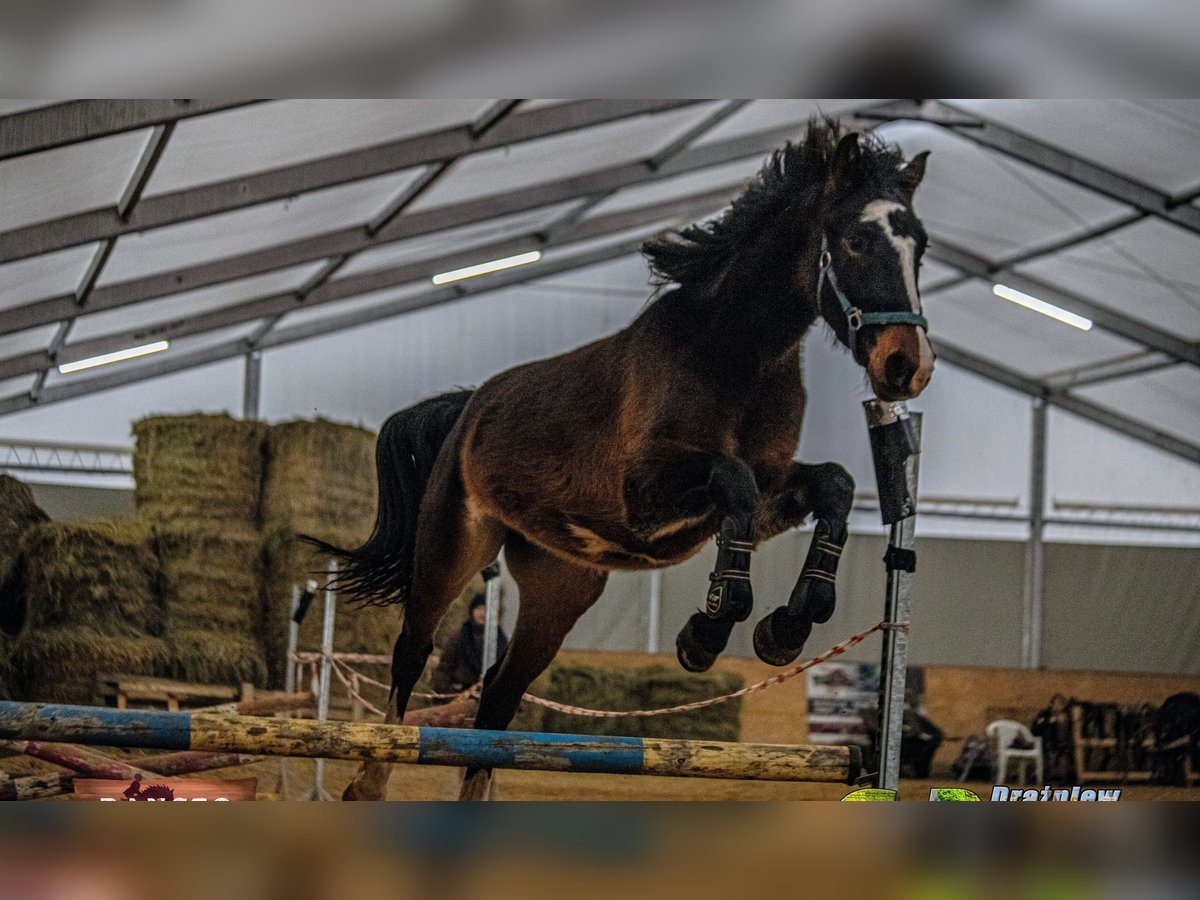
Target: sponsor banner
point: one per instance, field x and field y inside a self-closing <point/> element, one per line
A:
<point x="166" y="790"/>
<point x="1000" y="793"/>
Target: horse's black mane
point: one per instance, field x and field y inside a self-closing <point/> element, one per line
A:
<point x="700" y="252"/>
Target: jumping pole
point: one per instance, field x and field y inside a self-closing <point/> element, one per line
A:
<point x="364" y="741"/>
<point x="895" y="445"/>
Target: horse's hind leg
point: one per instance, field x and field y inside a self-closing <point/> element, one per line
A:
<point x="451" y="547"/>
<point x="554" y="594"/>
<point x="827" y="491"/>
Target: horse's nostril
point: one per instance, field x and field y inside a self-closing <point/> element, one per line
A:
<point x="899" y="370"/>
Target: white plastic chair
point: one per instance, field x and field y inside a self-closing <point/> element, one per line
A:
<point x="1005" y="733"/>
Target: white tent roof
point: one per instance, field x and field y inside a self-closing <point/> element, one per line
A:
<point x="227" y="227"/>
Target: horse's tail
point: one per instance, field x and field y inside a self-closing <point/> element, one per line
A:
<point x="380" y="571"/>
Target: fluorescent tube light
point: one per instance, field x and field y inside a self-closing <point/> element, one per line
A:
<point x="1041" y="306"/>
<point x="496" y="265"/>
<point x="118" y="356"/>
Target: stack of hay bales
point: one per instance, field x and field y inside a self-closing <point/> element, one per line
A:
<point x="651" y="687"/>
<point x="198" y="482"/>
<point x="18" y="513"/>
<point x="319" y="481"/>
<point x="212" y="584"/>
<point x="92" y="605"/>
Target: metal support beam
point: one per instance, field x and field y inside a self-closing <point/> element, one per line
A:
<point x="252" y="385"/>
<point x="287" y="181"/>
<point x="62" y="124"/>
<point x="1035" y="558"/>
<point x="1127" y="366"/>
<point x="1084" y="409"/>
<point x="354" y="238"/>
<point x="1110" y="320"/>
<point x="1059" y="162"/>
<point x="171" y="363"/>
<point x="273" y="307"/>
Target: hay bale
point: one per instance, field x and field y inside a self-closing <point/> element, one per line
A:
<point x="102" y="576"/>
<point x="290" y="561"/>
<point x="198" y="468"/>
<point x="651" y="687"/>
<point x="319" y="477"/>
<point x="61" y="665"/>
<point x="216" y="658"/>
<point x="212" y="578"/>
<point x="18" y="513"/>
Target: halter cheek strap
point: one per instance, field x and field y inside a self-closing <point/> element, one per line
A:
<point x="855" y="317"/>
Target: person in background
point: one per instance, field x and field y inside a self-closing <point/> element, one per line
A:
<point x="462" y="664"/>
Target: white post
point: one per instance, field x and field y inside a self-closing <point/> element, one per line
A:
<point x="319" y="792"/>
<point x="293" y="641"/>
<point x="898" y="606"/>
<point x="1035" y="553"/>
<point x="655" y="616"/>
<point x="491" y="621"/>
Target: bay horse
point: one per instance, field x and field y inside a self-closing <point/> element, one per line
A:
<point x="633" y="451"/>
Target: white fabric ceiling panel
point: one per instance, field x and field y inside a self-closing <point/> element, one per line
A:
<point x="970" y="316"/>
<point x="268" y="135"/>
<point x="250" y="229"/>
<point x="191" y="303"/>
<point x="1091" y="464"/>
<point x="1149" y="271"/>
<point x="1168" y="399"/>
<point x="68" y="179"/>
<point x="1114" y="133"/>
<point x="454" y="239"/>
<point x="933" y="274"/>
<point x="578" y="247"/>
<point x="38" y="277"/>
<point x="108" y="419"/>
<point x="680" y="186"/>
<point x="577" y="152"/>
<point x="11" y="387"/>
<point x="26" y="341"/>
<point x="305" y="315"/>
<point x="377" y="298"/>
<point x="367" y="373"/>
<point x="9" y="107"/>
<point x="765" y="114"/>
<point x="628" y="274"/>
<point x="993" y="206"/>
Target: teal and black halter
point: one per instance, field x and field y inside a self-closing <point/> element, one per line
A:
<point x="855" y="317"/>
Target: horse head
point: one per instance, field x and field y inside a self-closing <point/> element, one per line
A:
<point x="871" y="248"/>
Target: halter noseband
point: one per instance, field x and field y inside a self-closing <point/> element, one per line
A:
<point x="855" y="317"/>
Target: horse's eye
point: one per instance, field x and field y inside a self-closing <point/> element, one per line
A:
<point x="856" y="243"/>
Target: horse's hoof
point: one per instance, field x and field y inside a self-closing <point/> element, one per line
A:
<point x="477" y="785"/>
<point x="780" y="636"/>
<point x="355" y="791"/>
<point x="700" y="642"/>
<point x="813" y="600"/>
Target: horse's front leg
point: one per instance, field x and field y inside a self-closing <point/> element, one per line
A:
<point x="675" y="494"/>
<point x="827" y="492"/>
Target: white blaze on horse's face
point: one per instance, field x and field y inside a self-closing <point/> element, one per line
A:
<point x="900" y="363"/>
<point x="879" y="212"/>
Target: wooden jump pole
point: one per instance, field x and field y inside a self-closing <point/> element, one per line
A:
<point x="156" y="729"/>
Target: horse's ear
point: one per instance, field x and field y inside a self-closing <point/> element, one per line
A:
<point x="912" y="173"/>
<point x="845" y="157"/>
